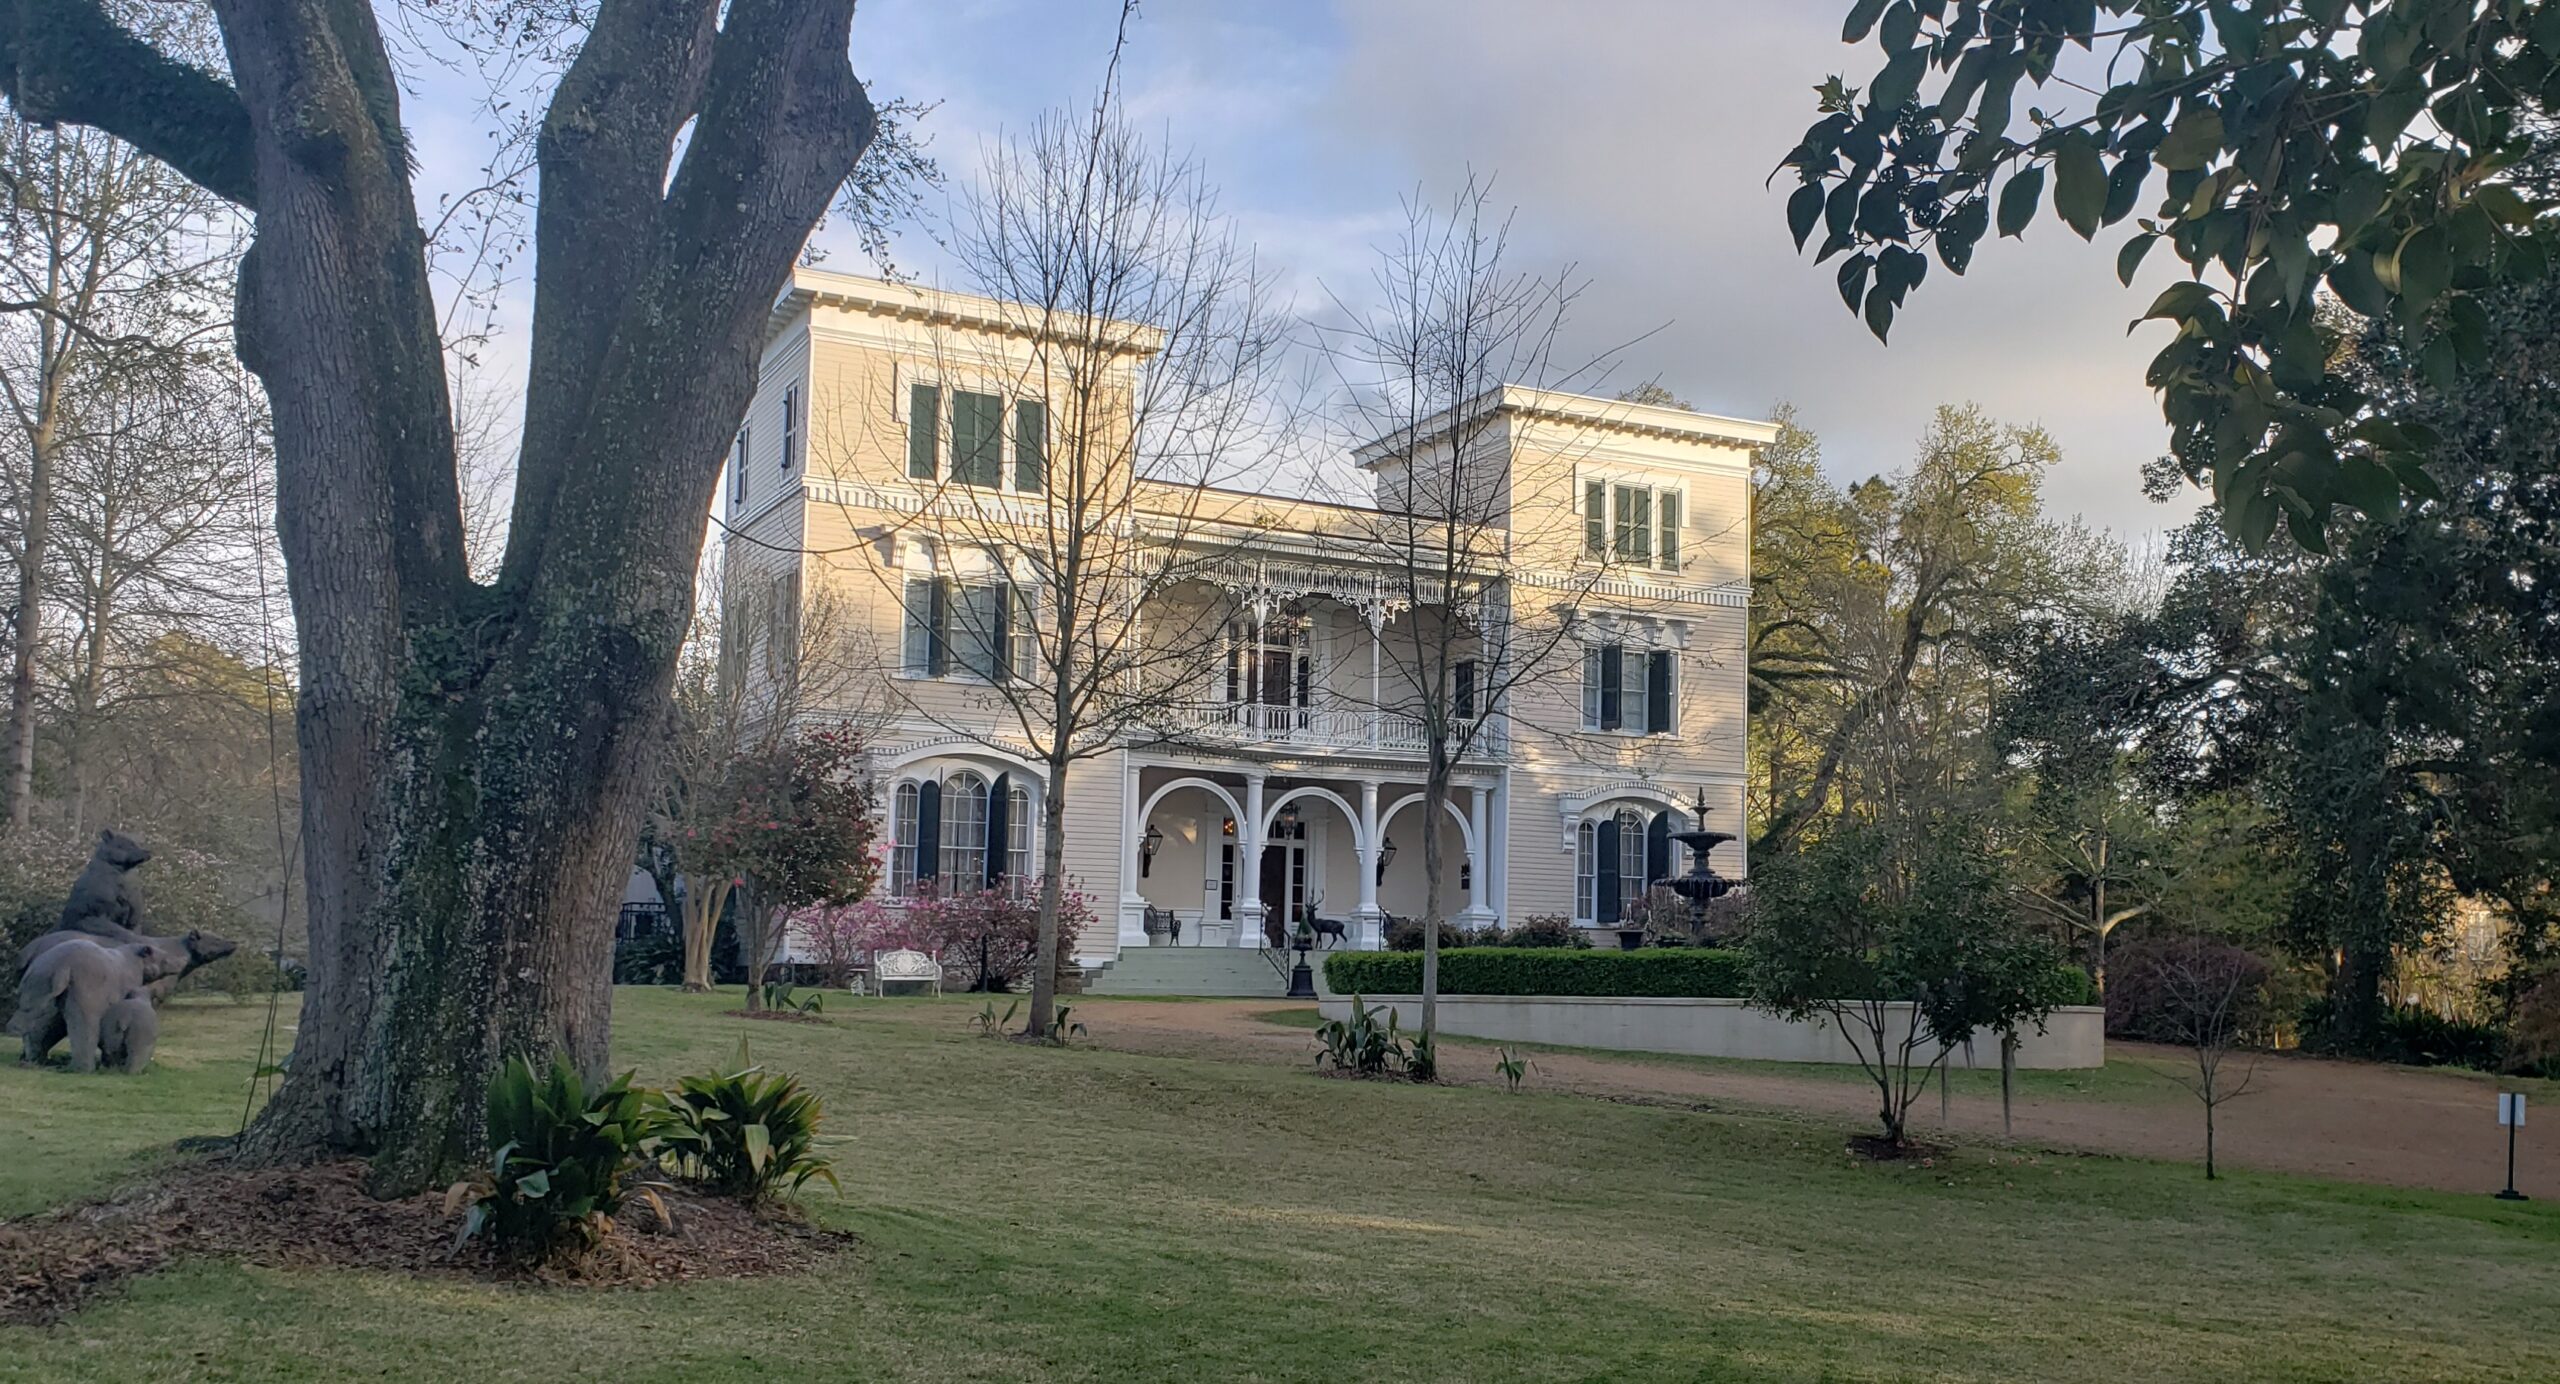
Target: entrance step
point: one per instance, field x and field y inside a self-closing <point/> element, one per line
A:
<point x="1200" y="971"/>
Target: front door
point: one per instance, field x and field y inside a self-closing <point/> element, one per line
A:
<point x="1284" y="873"/>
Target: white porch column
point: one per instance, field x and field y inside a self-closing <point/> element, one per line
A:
<point x="1133" y="903"/>
<point x="1365" y="919"/>
<point x="1249" y="865"/>
<point x="1480" y="863"/>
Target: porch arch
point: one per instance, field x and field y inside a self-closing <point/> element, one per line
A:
<point x="1466" y="828"/>
<point x="1234" y="809"/>
<point x="1350" y="814"/>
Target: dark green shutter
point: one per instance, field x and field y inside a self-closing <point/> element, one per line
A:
<point x="1613" y="683"/>
<point x="999" y="828"/>
<point x="1657" y="849"/>
<point x="1605" y="902"/>
<point x="928" y="831"/>
<point x="924" y="432"/>
<point x="1000" y="640"/>
<point x="1595" y="519"/>
<point x="1031" y="446"/>
<point x="1666" y="507"/>
<point x="1657" y="690"/>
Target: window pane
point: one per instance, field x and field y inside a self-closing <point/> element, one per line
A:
<point x="964" y="831"/>
<point x="1631" y="881"/>
<point x="1591" y="688"/>
<point x="918" y="644"/>
<point x="977" y="438"/>
<point x="790" y="426"/>
<point x="1586" y="870"/>
<point x="924" y="431"/>
<point x="1031" y="446"/>
<point x="1635" y="524"/>
<point x="1017" y="865"/>
<point x="902" y="851"/>
<point x="978" y="634"/>
<point x="1631" y="707"/>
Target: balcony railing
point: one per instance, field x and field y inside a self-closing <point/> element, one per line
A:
<point x="1325" y="728"/>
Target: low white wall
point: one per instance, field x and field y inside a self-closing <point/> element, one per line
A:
<point x="2072" y="1037"/>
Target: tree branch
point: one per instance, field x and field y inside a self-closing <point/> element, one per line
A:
<point x="66" y="60"/>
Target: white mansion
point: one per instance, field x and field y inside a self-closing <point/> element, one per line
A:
<point x="1281" y="774"/>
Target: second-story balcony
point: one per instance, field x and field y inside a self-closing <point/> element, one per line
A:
<point x="1261" y="725"/>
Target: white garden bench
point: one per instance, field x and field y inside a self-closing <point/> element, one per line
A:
<point x="906" y="966"/>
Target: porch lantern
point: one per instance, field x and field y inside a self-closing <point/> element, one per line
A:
<point x="1287" y="821"/>
<point x="1147" y="847"/>
<point x="1386" y="852"/>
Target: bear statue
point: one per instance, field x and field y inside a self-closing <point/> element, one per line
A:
<point x="50" y="1026"/>
<point x="129" y="1031"/>
<point x="103" y="900"/>
<point x="78" y="982"/>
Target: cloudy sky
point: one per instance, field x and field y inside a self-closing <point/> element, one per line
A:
<point x="1634" y="138"/>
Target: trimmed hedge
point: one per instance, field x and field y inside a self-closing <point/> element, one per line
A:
<point x="1676" y="972"/>
<point x="1652" y="973"/>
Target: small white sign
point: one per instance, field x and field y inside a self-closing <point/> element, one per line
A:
<point x="2510" y="1108"/>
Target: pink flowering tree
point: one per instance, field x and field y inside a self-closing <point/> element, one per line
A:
<point x="794" y="831"/>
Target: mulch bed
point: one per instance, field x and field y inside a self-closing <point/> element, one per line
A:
<point x="319" y="1217"/>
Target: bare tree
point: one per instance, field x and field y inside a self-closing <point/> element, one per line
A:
<point x="2211" y="1000"/>
<point x="1148" y="347"/>
<point x="452" y="929"/>
<point x="156" y="516"/>
<point x="110" y="265"/>
<point x="1423" y="368"/>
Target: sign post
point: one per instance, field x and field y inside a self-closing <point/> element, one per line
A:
<point x="2511" y="1116"/>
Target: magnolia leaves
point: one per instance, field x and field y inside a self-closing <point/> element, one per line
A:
<point x="2281" y="156"/>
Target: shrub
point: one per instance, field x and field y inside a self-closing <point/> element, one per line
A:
<point x="181" y="888"/>
<point x="1405" y="935"/>
<point x="562" y="1158"/>
<point x="656" y="959"/>
<point x="748" y="1133"/>
<point x="243" y="975"/>
<point x="1359" y="1044"/>
<point x="1689" y="972"/>
<point x="1677" y="972"/>
<point x="1547" y="930"/>
<point x="988" y="939"/>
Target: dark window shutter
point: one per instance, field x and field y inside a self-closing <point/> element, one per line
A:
<point x="1667" y="507"/>
<point x="1000" y="639"/>
<point x="1031" y="446"/>
<point x="1305" y="679"/>
<point x="1657" y="690"/>
<point x="1606" y="902"/>
<point x="924" y="432"/>
<point x="928" y="831"/>
<point x="1613" y="682"/>
<point x="937" y="636"/>
<point x="1595" y="519"/>
<point x="1236" y="656"/>
<point x="1463" y="695"/>
<point x="999" y="827"/>
<point x="1657" y="849"/>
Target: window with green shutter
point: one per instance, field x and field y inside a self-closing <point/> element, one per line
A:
<point x="924" y="432"/>
<point x="1635" y="524"/>
<point x="977" y="438"/>
<point x="1030" y="446"/>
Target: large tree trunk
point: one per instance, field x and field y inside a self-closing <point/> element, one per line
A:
<point x="704" y="898"/>
<point x="474" y="758"/>
<point x="1053" y="874"/>
<point x="1435" y="800"/>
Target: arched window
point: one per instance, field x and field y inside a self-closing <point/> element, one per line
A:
<point x="1630" y="859"/>
<point x="964" y="832"/>
<point x="1586" y="871"/>
<point x="1017" y="847"/>
<point x="902" y="837"/>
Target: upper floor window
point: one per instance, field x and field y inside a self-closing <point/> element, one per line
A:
<point x="1630" y="689"/>
<point x="1267" y="661"/>
<point x="739" y="453"/>
<point x="1632" y="523"/>
<point x="1462" y="690"/>
<point x="790" y="427"/>
<point x="973" y="423"/>
<point x="982" y="629"/>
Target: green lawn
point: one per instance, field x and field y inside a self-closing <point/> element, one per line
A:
<point x="1096" y="1215"/>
